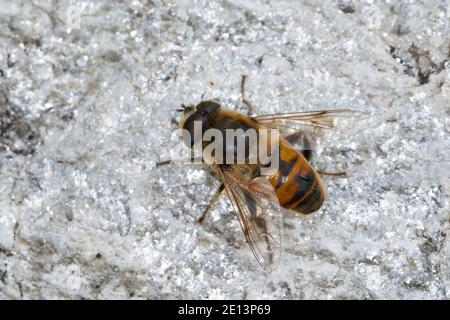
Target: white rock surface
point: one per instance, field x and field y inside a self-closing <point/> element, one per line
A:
<point x="87" y="92"/>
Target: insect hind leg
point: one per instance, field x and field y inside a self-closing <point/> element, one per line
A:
<point x="299" y="139"/>
<point x="333" y="174"/>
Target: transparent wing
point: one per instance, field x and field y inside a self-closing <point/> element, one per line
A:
<point x="313" y="124"/>
<point x="259" y="213"/>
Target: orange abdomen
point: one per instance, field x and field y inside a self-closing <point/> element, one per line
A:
<point x="296" y="183"/>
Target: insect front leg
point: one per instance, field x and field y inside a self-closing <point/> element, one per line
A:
<point x="244" y="100"/>
<point x="162" y="163"/>
<point x="188" y="160"/>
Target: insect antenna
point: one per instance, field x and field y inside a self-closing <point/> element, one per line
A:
<point x="185" y="108"/>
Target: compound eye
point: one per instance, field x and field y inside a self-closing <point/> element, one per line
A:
<point x="196" y="126"/>
<point x="207" y="106"/>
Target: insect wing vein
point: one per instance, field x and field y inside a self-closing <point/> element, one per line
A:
<point x="259" y="214"/>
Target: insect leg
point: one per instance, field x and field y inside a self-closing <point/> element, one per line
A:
<point x="211" y="202"/>
<point x="332" y="174"/>
<point x="162" y="163"/>
<point x="299" y="138"/>
<point x="244" y="100"/>
<point x="191" y="160"/>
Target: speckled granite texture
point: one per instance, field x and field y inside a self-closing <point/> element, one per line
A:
<point x="87" y="93"/>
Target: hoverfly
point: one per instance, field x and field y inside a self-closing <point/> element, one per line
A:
<point x="257" y="199"/>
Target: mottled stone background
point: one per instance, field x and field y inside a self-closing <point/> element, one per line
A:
<point x="87" y="92"/>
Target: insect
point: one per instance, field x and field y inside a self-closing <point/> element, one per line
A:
<point x="257" y="199"/>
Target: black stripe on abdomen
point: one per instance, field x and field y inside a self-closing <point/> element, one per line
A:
<point x="303" y="185"/>
<point x="285" y="168"/>
<point x="312" y="202"/>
